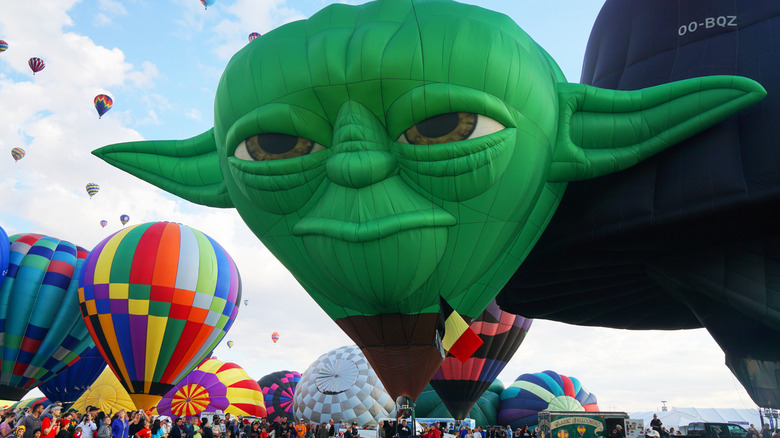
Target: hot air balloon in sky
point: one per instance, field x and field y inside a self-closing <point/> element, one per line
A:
<point x="279" y="393"/>
<point x="460" y="384"/>
<point x="207" y="3"/>
<point x="3" y="46"/>
<point x="253" y="35"/>
<point x="103" y="223"/>
<point x="464" y="204"/>
<point x="214" y="385"/>
<point x="124" y="219"/>
<point x="17" y="153"/>
<point x="71" y="384"/>
<point x="105" y="393"/>
<point x="246" y="302"/>
<point x="158" y="298"/>
<point x="275" y="337"/>
<point x="230" y="344"/>
<point x="532" y="393"/>
<point x="37" y="300"/>
<point x="92" y="189"/>
<point x="36" y="64"/>
<point x="341" y="385"/>
<point x="103" y="103"/>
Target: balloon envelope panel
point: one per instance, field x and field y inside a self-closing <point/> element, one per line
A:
<point x="70" y="384"/>
<point x="105" y="393"/>
<point x="5" y="253"/>
<point x="483" y="411"/>
<point x="158" y="298"/>
<point x="532" y="393"/>
<point x="37" y="300"/>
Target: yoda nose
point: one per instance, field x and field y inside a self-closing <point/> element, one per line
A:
<point x="360" y="149"/>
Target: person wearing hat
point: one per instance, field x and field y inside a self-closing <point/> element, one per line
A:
<point x="50" y="424"/>
<point x="300" y="429"/>
<point x="19" y="431"/>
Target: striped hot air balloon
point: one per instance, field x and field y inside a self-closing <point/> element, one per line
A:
<point x="532" y="393"/>
<point x="103" y="103"/>
<point x="3" y="46"/>
<point x="207" y="3"/>
<point x="92" y="189"/>
<point x="17" y="153"/>
<point x="214" y="385"/>
<point x="460" y="384"/>
<point x="38" y="299"/>
<point x="253" y="35"/>
<point x="36" y="64"/>
<point x="158" y="298"/>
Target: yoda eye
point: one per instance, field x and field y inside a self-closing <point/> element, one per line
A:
<point x="265" y="147"/>
<point x="450" y="127"/>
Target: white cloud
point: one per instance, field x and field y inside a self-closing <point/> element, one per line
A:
<point x="193" y="114"/>
<point x="111" y="7"/>
<point x="102" y="20"/>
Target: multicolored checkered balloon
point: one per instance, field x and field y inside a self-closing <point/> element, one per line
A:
<point x="41" y="332"/>
<point x="279" y="393"/>
<point x="157" y="298"/>
<point x="214" y="385"/>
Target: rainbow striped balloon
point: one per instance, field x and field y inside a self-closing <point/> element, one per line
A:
<point x="17" y="153"/>
<point x="38" y="299"/>
<point x="214" y="385"/>
<point x="158" y="298"/>
<point x="3" y="46"/>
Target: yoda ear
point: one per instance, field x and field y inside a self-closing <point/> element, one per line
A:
<point x="603" y="131"/>
<point x="187" y="168"/>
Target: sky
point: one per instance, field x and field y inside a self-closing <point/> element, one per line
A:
<point x="160" y="60"/>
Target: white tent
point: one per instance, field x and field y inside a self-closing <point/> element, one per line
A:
<point x="681" y="417"/>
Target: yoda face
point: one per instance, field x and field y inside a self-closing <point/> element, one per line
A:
<point x="401" y="151"/>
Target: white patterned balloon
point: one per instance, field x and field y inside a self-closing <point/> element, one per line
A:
<point x="341" y="385"/>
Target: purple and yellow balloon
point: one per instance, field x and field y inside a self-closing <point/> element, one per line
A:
<point x="157" y="298"/>
<point x="17" y="153"/>
<point x="103" y="103"/>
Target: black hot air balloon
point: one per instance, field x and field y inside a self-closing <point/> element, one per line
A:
<point x="689" y="236"/>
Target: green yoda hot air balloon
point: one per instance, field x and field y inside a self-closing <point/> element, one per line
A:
<point x="402" y="152"/>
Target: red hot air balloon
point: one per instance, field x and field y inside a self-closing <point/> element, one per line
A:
<point x="253" y="35"/>
<point x="36" y="64"/>
<point x="275" y="337"/>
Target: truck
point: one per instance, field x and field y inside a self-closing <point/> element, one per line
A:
<point x="715" y="430"/>
<point x="580" y="424"/>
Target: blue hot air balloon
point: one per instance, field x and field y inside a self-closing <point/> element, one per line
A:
<point x="40" y="320"/>
<point x="70" y="384"/>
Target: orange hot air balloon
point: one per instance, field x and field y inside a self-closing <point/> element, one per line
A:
<point x="275" y="337"/>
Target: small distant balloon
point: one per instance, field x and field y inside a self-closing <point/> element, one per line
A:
<point x="246" y="302"/>
<point x="103" y="103"/>
<point x="36" y="64"/>
<point x="230" y="344"/>
<point x="3" y="46"/>
<point x="103" y="223"/>
<point x="17" y="153"/>
<point x="275" y="337"/>
<point x="124" y="219"/>
<point x="207" y="3"/>
<point x="253" y="35"/>
<point x="92" y="189"/>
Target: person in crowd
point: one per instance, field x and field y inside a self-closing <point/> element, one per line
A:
<point x="145" y="431"/>
<point x="157" y="430"/>
<point x="509" y="433"/>
<point x="7" y="426"/>
<point x="478" y="432"/>
<point x="19" y="431"/>
<point x="403" y="430"/>
<point x="105" y="428"/>
<point x="765" y="432"/>
<point x="323" y="431"/>
<point x="206" y="430"/>
<point x="87" y="425"/>
<point x="120" y="426"/>
<point x="32" y="421"/>
<point x="656" y="424"/>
